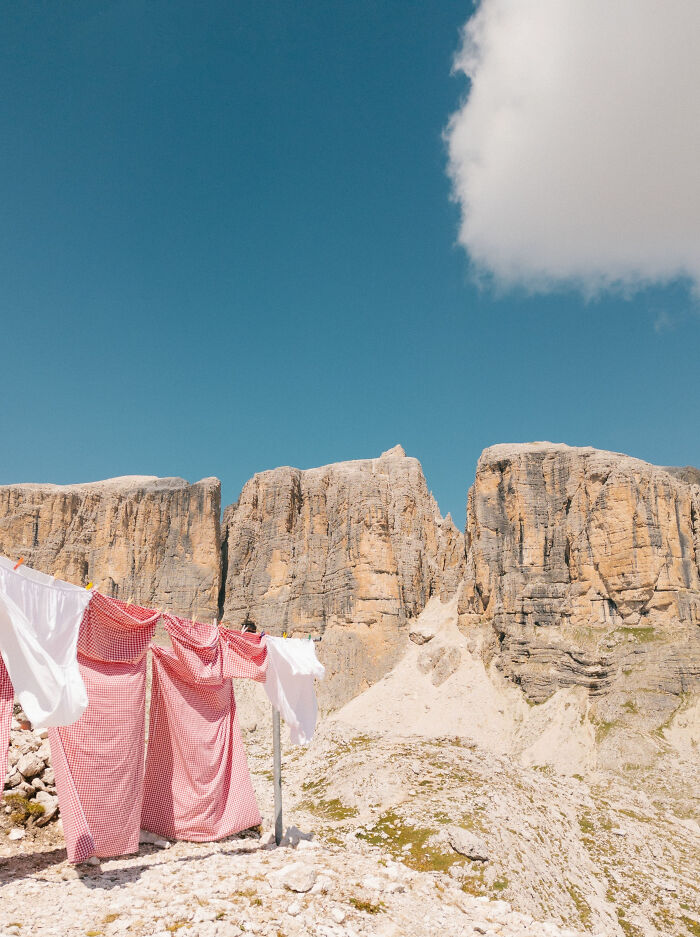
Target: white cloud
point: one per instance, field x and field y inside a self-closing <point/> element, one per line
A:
<point x="576" y="155"/>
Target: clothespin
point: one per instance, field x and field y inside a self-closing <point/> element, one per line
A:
<point x="18" y="563"/>
<point x="284" y="634"/>
<point x="88" y="586"/>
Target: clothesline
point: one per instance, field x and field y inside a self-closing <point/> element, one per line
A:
<point x="76" y="660"/>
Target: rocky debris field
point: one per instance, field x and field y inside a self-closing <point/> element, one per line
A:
<point x="30" y="786"/>
<point x="304" y="887"/>
<point x="427" y="806"/>
<point x="602" y="854"/>
<point x="398" y="837"/>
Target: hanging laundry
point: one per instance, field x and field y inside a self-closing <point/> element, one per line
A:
<point x="39" y="622"/>
<point x="244" y="654"/>
<point x="197" y="785"/>
<point x="6" y="700"/>
<point x="292" y="666"/>
<point x="99" y="759"/>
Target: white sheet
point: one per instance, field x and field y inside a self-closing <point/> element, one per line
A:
<point x="39" y="622"/>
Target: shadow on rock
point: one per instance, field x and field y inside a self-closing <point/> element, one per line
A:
<point x="13" y="868"/>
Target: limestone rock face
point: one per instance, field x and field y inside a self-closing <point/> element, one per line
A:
<point x="587" y="566"/>
<point x="154" y="541"/>
<point x="579" y="567"/>
<point x="350" y="551"/>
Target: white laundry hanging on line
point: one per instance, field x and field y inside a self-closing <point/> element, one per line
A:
<point x="40" y="619"/>
<point x="292" y="666"/>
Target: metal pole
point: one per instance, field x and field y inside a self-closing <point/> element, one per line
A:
<point x="277" y="773"/>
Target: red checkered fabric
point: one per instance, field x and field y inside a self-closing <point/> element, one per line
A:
<point x="6" y="698"/>
<point x="99" y="759"/>
<point x="245" y="655"/>
<point x="197" y="785"/>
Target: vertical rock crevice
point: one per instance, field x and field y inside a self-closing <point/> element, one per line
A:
<point x="223" y="573"/>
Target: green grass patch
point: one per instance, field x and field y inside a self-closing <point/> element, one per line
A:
<point x="582" y="906"/>
<point x="367" y="907"/>
<point x="22" y="809"/>
<point x="357" y="743"/>
<point x="409" y="844"/>
<point x="603" y="728"/>
<point x="318" y="785"/>
<point x="330" y="809"/>
<point x="643" y="635"/>
<point x="474" y="883"/>
<point x="629" y="930"/>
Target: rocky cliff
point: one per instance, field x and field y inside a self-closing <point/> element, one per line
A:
<point x="586" y="565"/>
<point x="154" y="541"/>
<point x="350" y="551"/>
<point x="579" y="567"/>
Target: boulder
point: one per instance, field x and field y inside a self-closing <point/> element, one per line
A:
<point x="297" y="877"/>
<point x="50" y="805"/>
<point x="468" y="844"/>
<point x="30" y="765"/>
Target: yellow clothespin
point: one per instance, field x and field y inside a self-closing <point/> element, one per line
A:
<point x="88" y="586"/>
<point x="284" y="634"/>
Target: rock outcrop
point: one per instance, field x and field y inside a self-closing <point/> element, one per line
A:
<point x="586" y="564"/>
<point x="154" y="541"/>
<point x="350" y="551"/>
<point x="29" y="778"/>
<point x="580" y="568"/>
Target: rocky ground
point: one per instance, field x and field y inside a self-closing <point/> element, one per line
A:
<point x="438" y="801"/>
<point x="315" y="888"/>
<point x="388" y="837"/>
<point x="30" y="785"/>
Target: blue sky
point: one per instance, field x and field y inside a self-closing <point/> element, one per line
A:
<point x="228" y="244"/>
